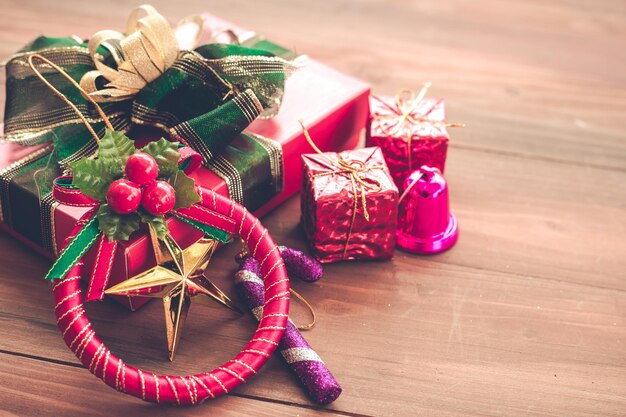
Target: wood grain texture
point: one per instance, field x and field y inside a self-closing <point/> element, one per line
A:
<point x="525" y="316"/>
<point x="62" y="391"/>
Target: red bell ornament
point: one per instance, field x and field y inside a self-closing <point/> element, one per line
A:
<point x="425" y="223"/>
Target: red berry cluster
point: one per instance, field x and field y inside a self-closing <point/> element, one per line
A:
<point x="141" y="187"/>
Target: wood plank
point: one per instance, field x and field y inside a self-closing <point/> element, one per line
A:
<point x="556" y="221"/>
<point x="507" y="69"/>
<point x="525" y="316"/>
<point x="459" y="337"/>
<point x="32" y="388"/>
<point x="495" y="318"/>
<point x="528" y="218"/>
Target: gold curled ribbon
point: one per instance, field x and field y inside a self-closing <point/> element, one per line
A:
<point x="404" y="115"/>
<point x="148" y="48"/>
<point x="356" y="171"/>
<point x="60" y="70"/>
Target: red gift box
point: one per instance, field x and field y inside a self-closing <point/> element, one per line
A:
<point x="333" y="104"/>
<point x="410" y="131"/>
<point x="349" y="205"/>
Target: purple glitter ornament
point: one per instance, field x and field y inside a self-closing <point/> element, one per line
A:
<point x="315" y="377"/>
<point x="301" y="265"/>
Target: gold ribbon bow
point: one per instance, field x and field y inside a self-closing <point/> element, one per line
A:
<point x="356" y="171"/>
<point x="404" y="115"/>
<point x="148" y="48"/>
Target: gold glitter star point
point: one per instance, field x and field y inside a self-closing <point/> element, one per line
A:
<point x="176" y="279"/>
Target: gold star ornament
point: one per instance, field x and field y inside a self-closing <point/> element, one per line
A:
<point x="176" y="279"/>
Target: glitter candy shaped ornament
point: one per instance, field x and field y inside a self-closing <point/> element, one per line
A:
<point x="425" y="223"/>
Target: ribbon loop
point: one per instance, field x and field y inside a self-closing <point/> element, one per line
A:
<point x="66" y="193"/>
<point x="148" y="49"/>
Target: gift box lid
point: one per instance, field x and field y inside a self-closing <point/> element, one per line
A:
<point x="327" y="179"/>
<point x="386" y="115"/>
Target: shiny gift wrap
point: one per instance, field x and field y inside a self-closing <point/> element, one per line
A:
<point x="247" y="167"/>
<point x="410" y="133"/>
<point x="349" y="215"/>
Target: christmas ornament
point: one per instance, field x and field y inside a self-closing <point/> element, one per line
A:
<point x="123" y="196"/>
<point x="221" y="215"/>
<point x="175" y="284"/>
<point x="141" y="168"/>
<point x="411" y="130"/>
<point x="158" y="198"/>
<point x="349" y="205"/>
<point x="300" y="265"/>
<point x="218" y="217"/>
<point x="425" y="223"/>
<point x="313" y="374"/>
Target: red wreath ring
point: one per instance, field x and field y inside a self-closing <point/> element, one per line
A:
<point x="95" y="356"/>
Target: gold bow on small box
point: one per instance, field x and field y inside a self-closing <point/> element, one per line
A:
<point x="358" y="172"/>
<point x="149" y="47"/>
<point x="402" y="119"/>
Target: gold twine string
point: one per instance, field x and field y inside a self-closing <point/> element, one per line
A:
<point x="245" y="252"/>
<point x="309" y="325"/>
<point x="406" y="103"/>
<point x="406" y="191"/>
<point x="356" y="171"/>
<point x="61" y="71"/>
<point x="412" y="184"/>
<point x="244" y="249"/>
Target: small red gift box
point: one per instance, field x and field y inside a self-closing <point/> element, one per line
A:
<point x="349" y="205"/>
<point x="411" y="131"/>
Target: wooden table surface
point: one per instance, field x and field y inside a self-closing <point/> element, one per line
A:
<point x="525" y="316"/>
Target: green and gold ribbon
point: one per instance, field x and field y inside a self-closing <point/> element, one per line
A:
<point x="205" y="98"/>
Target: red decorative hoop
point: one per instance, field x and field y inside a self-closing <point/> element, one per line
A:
<point x="95" y="356"/>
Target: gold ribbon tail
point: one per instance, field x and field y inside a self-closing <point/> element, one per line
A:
<point x="60" y="70"/>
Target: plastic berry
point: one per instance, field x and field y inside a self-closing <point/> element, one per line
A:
<point x="141" y="168"/>
<point x="159" y="198"/>
<point x="124" y="196"/>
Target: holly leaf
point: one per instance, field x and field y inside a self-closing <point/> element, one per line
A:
<point x="156" y="222"/>
<point x="115" y="148"/>
<point x="166" y="155"/>
<point x="116" y="226"/>
<point x="93" y="176"/>
<point x="185" y="188"/>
